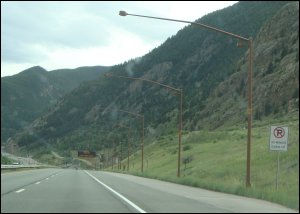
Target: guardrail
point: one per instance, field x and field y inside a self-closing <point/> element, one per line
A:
<point x="21" y="166"/>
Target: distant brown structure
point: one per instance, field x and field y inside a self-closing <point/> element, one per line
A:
<point x="86" y="153"/>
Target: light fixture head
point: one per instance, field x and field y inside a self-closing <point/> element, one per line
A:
<point x="122" y="13"/>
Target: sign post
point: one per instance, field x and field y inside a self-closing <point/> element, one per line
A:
<point x="278" y="142"/>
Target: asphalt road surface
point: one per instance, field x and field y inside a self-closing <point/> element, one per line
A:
<point x="80" y="191"/>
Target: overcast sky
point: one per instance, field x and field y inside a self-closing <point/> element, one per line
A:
<point x="58" y="35"/>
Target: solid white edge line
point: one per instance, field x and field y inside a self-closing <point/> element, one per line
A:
<point x="118" y="194"/>
<point x="20" y="190"/>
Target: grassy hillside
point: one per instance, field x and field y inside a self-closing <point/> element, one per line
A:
<point x="213" y="75"/>
<point x="6" y="160"/>
<point x="218" y="161"/>
<point x="200" y="63"/>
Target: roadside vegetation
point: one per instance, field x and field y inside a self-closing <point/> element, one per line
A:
<point x="216" y="160"/>
<point x="211" y="159"/>
<point x="6" y="160"/>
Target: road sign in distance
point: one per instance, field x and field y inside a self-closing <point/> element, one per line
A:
<point x="86" y="153"/>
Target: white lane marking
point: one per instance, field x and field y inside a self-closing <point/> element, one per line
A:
<point x="20" y="190"/>
<point x="118" y="194"/>
<point x="38" y="182"/>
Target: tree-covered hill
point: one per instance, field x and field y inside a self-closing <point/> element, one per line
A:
<point x="26" y="95"/>
<point x="209" y="68"/>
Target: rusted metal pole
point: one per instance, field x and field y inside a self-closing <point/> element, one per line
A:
<point x="250" y="71"/>
<point x="142" y="167"/>
<point x="249" y="111"/>
<point x="177" y="92"/>
<point x="179" y="133"/>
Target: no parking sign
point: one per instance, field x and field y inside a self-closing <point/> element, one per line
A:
<point x="279" y="138"/>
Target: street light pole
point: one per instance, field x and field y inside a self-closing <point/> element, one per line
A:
<point x="128" y="151"/>
<point x="178" y="92"/>
<point x="249" y="110"/>
<point x="142" y="135"/>
<point x="250" y="68"/>
<point x="142" y="131"/>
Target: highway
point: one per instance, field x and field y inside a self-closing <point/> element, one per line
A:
<point x="85" y="191"/>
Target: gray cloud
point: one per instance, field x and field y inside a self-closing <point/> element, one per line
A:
<point x="57" y="33"/>
<point x="25" y="24"/>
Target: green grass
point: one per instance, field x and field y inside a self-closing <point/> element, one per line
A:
<point x="218" y="161"/>
<point x="6" y="160"/>
<point x="48" y="157"/>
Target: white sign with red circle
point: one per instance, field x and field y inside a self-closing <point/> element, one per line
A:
<point x="279" y="138"/>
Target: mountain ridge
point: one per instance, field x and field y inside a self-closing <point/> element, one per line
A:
<point x="206" y="67"/>
<point x="26" y="95"/>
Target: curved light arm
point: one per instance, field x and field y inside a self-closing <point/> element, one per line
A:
<point x="142" y="79"/>
<point x="123" y="13"/>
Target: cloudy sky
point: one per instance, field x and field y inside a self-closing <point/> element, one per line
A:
<point x="60" y="34"/>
